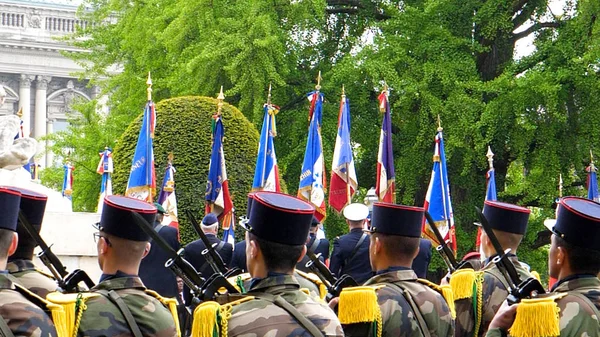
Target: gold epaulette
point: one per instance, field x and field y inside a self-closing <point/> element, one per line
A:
<point x="238" y="281"/>
<point x="170" y="303"/>
<point x="316" y="280"/>
<point x="67" y="310"/>
<point x="360" y="305"/>
<point x="537" y="317"/>
<point x="445" y="291"/>
<point x="462" y="282"/>
<point x="211" y="319"/>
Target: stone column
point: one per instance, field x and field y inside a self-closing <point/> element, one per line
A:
<point x="39" y="129"/>
<point x="25" y="102"/>
<point x="49" y="154"/>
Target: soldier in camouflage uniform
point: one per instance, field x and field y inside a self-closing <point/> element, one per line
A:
<point x="19" y="309"/>
<point x="20" y="264"/>
<point x="574" y="260"/>
<point x="121" y="246"/>
<point x="409" y="307"/>
<point x="277" y="230"/>
<point x="509" y="223"/>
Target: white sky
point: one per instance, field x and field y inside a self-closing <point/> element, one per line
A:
<point x="525" y="47"/>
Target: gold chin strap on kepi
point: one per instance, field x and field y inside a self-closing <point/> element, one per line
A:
<point x="360" y="305"/>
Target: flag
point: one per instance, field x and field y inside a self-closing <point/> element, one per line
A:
<point x="490" y="192"/>
<point x="142" y="178"/>
<point x="312" y="180"/>
<point x="105" y="168"/>
<point x="67" y="189"/>
<point x="266" y="174"/>
<point x="592" y="182"/>
<point x="167" y="196"/>
<point x="386" y="177"/>
<point x="437" y="200"/>
<point x="218" y="200"/>
<point x="343" y="176"/>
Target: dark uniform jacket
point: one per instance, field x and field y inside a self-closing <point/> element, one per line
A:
<point x="421" y="262"/>
<point x="359" y="267"/>
<point x="239" y="256"/>
<point x="153" y="272"/>
<point x="321" y="248"/>
<point x="31" y="278"/>
<point x="193" y="253"/>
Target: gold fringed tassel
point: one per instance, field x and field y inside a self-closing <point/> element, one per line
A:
<point x="449" y="297"/>
<point x="205" y="322"/>
<point x="462" y="282"/>
<point x="358" y="305"/>
<point x="63" y="308"/>
<point x="536" y="317"/>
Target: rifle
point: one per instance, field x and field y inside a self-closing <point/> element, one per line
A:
<point x="334" y="286"/>
<point x="209" y="253"/>
<point x="528" y="288"/>
<point x="445" y="251"/>
<point x="66" y="282"/>
<point x="204" y="290"/>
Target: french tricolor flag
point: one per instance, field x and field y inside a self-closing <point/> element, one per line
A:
<point x="386" y="176"/>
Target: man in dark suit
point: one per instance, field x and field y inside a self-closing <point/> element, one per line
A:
<point x="153" y="272"/>
<point x="351" y="251"/>
<point x="239" y="256"/>
<point x="421" y="263"/>
<point x="193" y="251"/>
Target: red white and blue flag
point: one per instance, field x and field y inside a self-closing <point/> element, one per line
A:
<point x="386" y="177"/>
<point x="592" y="182"/>
<point x="67" y="189"/>
<point x="437" y="200"/>
<point x="105" y="168"/>
<point x="167" y="196"/>
<point x="343" y="175"/>
<point x="142" y="178"/>
<point x="218" y="199"/>
<point x="312" y="179"/>
<point x="490" y="194"/>
<point x="266" y="174"/>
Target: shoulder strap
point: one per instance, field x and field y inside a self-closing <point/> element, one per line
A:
<point x="415" y="308"/>
<point x="285" y="305"/>
<point x="118" y="301"/>
<point x="4" y="329"/>
<point x="315" y="244"/>
<point x="586" y="300"/>
<point x="354" y="251"/>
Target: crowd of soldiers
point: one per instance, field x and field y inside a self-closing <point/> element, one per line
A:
<point x="281" y="280"/>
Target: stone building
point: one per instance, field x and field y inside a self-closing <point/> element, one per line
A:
<point x="36" y="76"/>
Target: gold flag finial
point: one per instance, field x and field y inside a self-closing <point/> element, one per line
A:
<point x="591" y="156"/>
<point x="343" y="91"/>
<point x="490" y="157"/>
<point x="440" y="129"/>
<point x="149" y="89"/>
<point x="560" y="186"/>
<point x="170" y="157"/>
<point x="319" y="78"/>
<point x="269" y="95"/>
<point x="220" y="99"/>
<point x="386" y="89"/>
<point x="20" y="112"/>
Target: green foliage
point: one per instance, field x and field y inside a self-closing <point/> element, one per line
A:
<point x="183" y="127"/>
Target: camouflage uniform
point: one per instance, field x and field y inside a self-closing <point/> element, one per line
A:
<point x="23" y="316"/>
<point x="103" y="318"/>
<point x="31" y="278"/>
<point x="577" y="317"/>
<point x="259" y="317"/>
<point x="397" y="314"/>
<point x="494" y="292"/>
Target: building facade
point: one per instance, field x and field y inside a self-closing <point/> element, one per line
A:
<point x="37" y="77"/>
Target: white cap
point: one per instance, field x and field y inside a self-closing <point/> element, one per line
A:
<point x="549" y="223"/>
<point x="356" y="212"/>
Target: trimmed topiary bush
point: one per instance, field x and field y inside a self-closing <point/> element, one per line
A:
<point x="183" y="127"/>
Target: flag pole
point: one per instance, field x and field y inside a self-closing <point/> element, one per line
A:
<point x="220" y="99"/>
<point x="560" y="186"/>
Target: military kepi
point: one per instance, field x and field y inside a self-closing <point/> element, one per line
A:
<point x="33" y="205"/>
<point x="9" y="208"/>
<point x="578" y="222"/>
<point x="117" y="217"/>
<point x="280" y="218"/>
<point x="395" y="219"/>
<point x="506" y="217"/>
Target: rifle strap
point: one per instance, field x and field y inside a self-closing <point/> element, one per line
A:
<point x="315" y="244"/>
<point x="118" y="301"/>
<point x="4" y="329"/>
<point x="354" y="251"/>
<point x="279" y="301"/>
<point x="418" y="314"/>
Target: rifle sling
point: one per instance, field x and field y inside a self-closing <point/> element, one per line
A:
<point x="118" y="301"/>
<point x="354" y="251"/>
<point x="315" y="244"/>
<point x="4" y="329"/>
<point x="285" y="305"/>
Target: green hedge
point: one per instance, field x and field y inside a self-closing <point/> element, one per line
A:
<point x="183" y="127"/>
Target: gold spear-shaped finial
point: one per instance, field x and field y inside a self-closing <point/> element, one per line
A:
<point x="343" y="91"/>
<point x="319" y="78"/>
<point x="386" y="89"/>
<point x="170" y="157"/>
<point x="220" y="99"/>
<point x="490" y="157"/>
<point x="269" y="95"/>
<point x="440" y="129"/>
<point x="149" y="89"/>
<point x="560" y="186"/>
<point x="20" y="112"/>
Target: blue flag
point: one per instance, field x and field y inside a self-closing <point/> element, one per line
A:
<point x="592" y="183"/>
<point x="142" y="178"/>
<point x="490" y="193"/>
<point x="266" y="174"/>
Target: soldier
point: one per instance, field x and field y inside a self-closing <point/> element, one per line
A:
<point x="153" y="272"/>
<point x="408" y="306"/>
<point x="351" y="251"/>
<point x="20" y="264"/>
<point x="121" y="305"/>
<point x="574" y="260"/>
<point x="275" y="306"/>
<point x="509" y="223"/>
<point x="193" y="251"/>
<point x="19" y="309"/>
